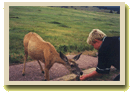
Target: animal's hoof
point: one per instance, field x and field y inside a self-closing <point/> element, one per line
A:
<point x="23" y="74"/>
<point x="44" y="80"/>
<point x="43" y="72"/>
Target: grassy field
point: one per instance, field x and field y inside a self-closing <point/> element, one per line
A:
<point x="67" y="29"/>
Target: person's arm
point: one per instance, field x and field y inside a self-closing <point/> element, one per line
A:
<point x="91" y="75"/>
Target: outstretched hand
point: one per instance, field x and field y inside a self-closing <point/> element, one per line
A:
<point x="82" y="78"/>
<point x="90" y="75"/>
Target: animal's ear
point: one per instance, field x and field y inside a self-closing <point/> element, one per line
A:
<point x="63" y="57"/>
<point x="77" y="57"/>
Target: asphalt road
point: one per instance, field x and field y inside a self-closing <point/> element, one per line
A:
<point x="33" y="72"/>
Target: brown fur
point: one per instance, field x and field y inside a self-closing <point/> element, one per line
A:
<point x="38" y="49"/>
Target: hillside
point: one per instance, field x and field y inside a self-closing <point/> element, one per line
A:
<point x="66" y="28"/>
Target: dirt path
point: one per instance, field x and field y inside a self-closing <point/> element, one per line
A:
<point x="33" y="72"/>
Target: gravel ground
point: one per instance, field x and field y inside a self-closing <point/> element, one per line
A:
<point x="33" y="72"/>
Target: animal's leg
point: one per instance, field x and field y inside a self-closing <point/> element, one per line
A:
<point x="47" y="68"/>
<point x="25" y="58"/>
<point x="47" y="64"/>
<point x="41" y="67"/>
<point x="47" y="74"/>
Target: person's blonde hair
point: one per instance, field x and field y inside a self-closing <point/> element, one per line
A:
<point x="95" y="34"/>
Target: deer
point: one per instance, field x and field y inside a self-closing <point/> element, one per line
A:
<point x="42" y="51"/>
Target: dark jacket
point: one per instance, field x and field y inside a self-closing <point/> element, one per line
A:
<point x="109" y="54"/>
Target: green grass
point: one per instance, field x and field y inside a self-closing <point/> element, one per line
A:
<point x="67" y="29"/>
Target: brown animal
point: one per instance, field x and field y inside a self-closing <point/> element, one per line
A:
<point x="43" y="51"/>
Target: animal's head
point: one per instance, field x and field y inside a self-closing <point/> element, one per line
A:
<point x="71" y="65"/>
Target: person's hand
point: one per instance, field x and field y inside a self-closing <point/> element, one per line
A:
<point x="82" y="78"/>
<point x="90" y="75"/>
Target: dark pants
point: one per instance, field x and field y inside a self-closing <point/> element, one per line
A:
<point x="117" y="78"/>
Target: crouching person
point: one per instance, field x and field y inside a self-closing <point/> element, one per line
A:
<point x="108" y="53"/>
